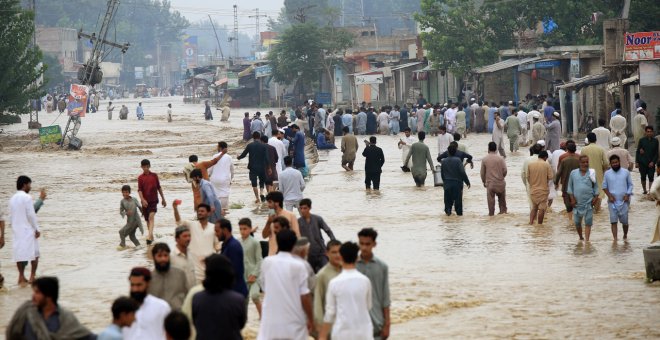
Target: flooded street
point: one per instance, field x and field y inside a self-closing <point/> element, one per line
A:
<point x="451" y="277"/>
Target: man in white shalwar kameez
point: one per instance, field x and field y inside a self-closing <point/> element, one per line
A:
<point x="276" y="142"/>
<point x="404" y="144"/>
<point x="444" y="139"/>
<point x="221" y="175"/>
<point x="25" y="229"/>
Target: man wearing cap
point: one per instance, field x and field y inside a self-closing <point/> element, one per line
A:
<point x="624" y="156"/>
<point x="538" y="176"/>
<point x="553" y="132"/>
<point x="603" y="135"/>
<point x="618" y="125"/>
<point x="598" y="162"/>
<point x="498" y="134"/>
<point x="639" y="123"/>
<point x="538" y="130"/>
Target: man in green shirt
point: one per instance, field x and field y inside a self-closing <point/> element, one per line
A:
<point x="647" y="157"/>
<point x="513" y="128"/>
<point x="323" y="277"/>
<point x="420" y="154"/>
<point x="251" y="261"/>
<point x="377" y="272"/>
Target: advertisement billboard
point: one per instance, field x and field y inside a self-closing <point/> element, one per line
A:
<point x="78" y="95"/>
<point x="642" y="46"/>
<point x="190" y="51"/>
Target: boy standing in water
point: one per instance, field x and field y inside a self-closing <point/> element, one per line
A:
<point x="251" y="260"/>
<point x="129" y="207"/>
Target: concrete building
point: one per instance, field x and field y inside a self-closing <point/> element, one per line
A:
<point x="61" y="43"/>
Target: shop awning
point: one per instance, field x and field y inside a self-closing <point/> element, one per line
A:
<point x="221" y="81"/>
<point x="590" y="80"/>
<point x="505" y="64"/>
<point x="625" y="82"/>
<point x="402" y="66"/>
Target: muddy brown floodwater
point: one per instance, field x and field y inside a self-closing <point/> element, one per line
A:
<point x="451" y="277"/>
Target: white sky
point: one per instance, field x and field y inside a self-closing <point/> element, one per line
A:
<point x="223" y="12"/>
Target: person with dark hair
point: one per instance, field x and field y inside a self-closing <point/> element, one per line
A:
<point x="323" y="278"/>
<point x="404" y="144"/>
<point x="420" y="155"/>
<point x="567" y="163"/>
<point x="152" y="312"/>
<point x="25" y="228"/>
<point x="444" y="139"/>
<point x="287" y="308"/>
<point x="372" y="123"/>
<point x="349" y="300"/>
<point x="273" y="159"/>
<point x="167" y="282"/>
<point x="597" y="162"/>
<point x="498" y="134"/>
<point x="177" y="326"/>
<point x="246" y="126"/>
<point x="203" y="167"/>
<point x="202" y="237"/>
<point x="148" y="189"/>
<point x="310" y="227"/>
<point x="277" y="141"/>
<point x="639" y="123"/>
<point x="603" y="135"/>
<point x="539" y="174"/>
<point x="252" y="257"/>
<point x="123" y="315"/>
<point x="258" y="164"/>
<point x="257" y="125"/>
<point x="453" y="176"/>
<point x="221" y="176"/>
<point x="583" y="192"/>
<point x="361" y="121"/>
<point x="513" y="130"/>
<point x="349" y="147"/>
<point x="291" y="184"/>
<point x="298" y="142"/>
<point x="373" y="164"/>
<point x="493" y="173"/>
<point x="465" y="157"/>
<point x="218" y="311"/>
<point x="44" y="318"/>
<point x="462" y="121"/>
<point x="180" y="257"/>
<point x="275" y="201"/>
<point x="207" y="195"/>
<point x="131" y="208"/>
<point x="646" y="158"/>
<point x="403" y="116"/>
<point x="378" y="273"/>
<point x="232" y="249"/>
<point x="638" y="101"/>
<point x="618" y="186"/>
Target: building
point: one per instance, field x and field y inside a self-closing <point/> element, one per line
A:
<point x="61" y="43"/>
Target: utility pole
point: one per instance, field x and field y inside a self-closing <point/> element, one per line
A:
<point x="90" y="73"/>
<point x="300" y="15"/>
<point x="216" y="38"/>
<point x="257" y="16"/>
<point x="34" y="114"/>
<point x="235" y="32"/>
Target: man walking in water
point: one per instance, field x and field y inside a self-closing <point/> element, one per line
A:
<point x="258" y="164"/>
<point x="148" y="189"/>
<point x="583" y="190"/>
<point x="618" y="187"/>
<point x="378" y="273"/>
<point x="25" y="229"/>
<point x="493" y="172"/>
<point x="349" y="147"/>
<point x="453" y="176"/>
<point x="539" y="173"/>
<point x="373" y="164"/>
<point x="420" y="154"/>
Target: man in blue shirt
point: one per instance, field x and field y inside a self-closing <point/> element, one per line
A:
<point x="123" y="315"/>
<point x="232" y="249"/>
<point x="583" y="192"/>
<point x="617" y="185"/>
<point x="298" y="142"/>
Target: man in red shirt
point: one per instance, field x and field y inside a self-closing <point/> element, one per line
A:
<point x="148" y="189"/>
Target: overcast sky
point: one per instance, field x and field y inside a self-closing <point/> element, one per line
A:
<point x="223" y="11"/>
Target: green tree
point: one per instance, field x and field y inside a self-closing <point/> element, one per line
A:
<point x="304" y="50"/>
<point x="456" y="35"/>
<point x="644" y="15"/>
<point x="53" y="75"/>
<point x="19" y="60"/>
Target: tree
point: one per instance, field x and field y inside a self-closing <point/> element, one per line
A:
<point x="305" y="49"/>
<point x="19" y="60"/>
<point x="455" y="35"/>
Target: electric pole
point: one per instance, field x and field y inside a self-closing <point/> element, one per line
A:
<point x="257" y="16"/>
<point x="300" y="16"/>
<point x="34" y="114"/>
<point x="235" y="32"/>
<point x="216" y="38"/>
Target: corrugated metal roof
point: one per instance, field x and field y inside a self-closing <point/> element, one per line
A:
<point x="398" y="67"/>
<point x="592" y="79"/>
<point x="504" y="64"/>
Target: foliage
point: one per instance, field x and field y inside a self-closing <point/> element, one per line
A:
<point x="455" y="35"/>
<point x="145" y="24"/>
<point x="53" y="75"/>
<point x="306" y="49"/>
<point x="644" y="15"/>
<point x="19" y="70"/>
